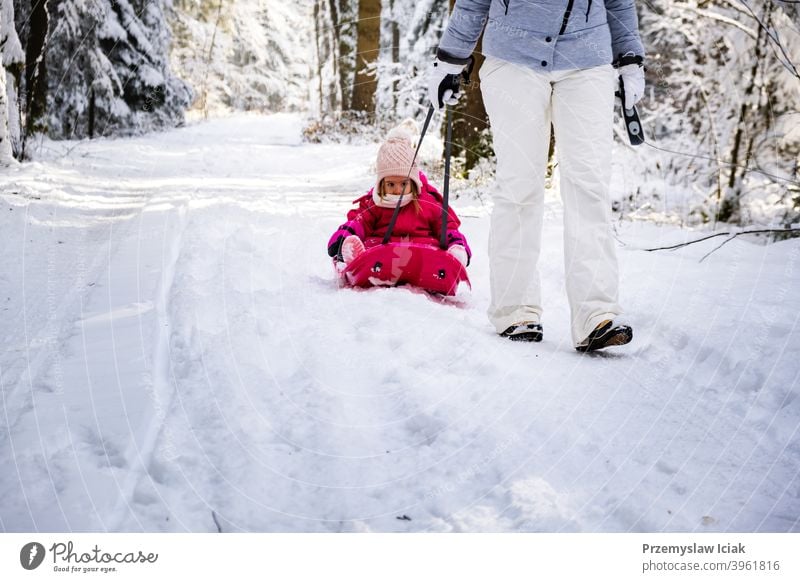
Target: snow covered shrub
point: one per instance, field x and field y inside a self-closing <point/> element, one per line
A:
<point x="722" y="104"/>
<point x="347" y="127"/>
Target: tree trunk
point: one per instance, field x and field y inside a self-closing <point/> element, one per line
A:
<point x="317" y="52"/>
<point x="730" y="209"/>
<point x="35" y="71"/>
<point x="91" y="113"/>
<point x="344" y="29"/>
<point x="470" y="139"/>
<point x="13" y="60"/>
<point x="331" y="96"/>
<point x="209" y="57"/>
<point x="334" y="18"/>
<point x="395" y="27"/>
<point x="6" y="155"/>
<point x="367" y="50"/>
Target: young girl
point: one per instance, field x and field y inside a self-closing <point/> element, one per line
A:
<point x="420" y="216"/>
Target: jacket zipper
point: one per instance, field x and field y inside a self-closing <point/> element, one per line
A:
<point x="566" y="17"/>
<point x="588" y="9"/>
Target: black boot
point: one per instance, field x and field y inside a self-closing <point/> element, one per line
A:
<point x="606" y="334"/>
<point x="525" y="331"/>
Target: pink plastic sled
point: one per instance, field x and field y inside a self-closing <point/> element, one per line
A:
<point x="399" y="263"/>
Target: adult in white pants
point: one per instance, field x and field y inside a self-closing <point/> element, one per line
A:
<point x="545" y="65"/>
<point x="521" y="105"/>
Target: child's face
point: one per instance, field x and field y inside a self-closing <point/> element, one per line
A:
<point x="396" y="185"/>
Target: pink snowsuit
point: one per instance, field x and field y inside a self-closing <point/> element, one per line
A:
<point x="369" y="222"/>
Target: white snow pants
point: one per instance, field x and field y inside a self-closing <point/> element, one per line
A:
<point x="521" y="104"/>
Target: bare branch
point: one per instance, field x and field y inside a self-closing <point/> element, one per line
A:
<point x="773" y="36"/>
<point x="214" y="517"/>
<point x="718" y="161"/>
<point x="731" y="234"/>
<point x="715" y="249"/>
<point x="737" y="6"/>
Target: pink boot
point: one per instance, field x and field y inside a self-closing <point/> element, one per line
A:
<point x="351" y="248"/>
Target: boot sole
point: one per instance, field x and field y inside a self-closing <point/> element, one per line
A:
<point x="525" y="336"/>
<point x="608" y="336"/>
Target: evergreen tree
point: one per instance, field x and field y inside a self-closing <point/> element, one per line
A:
<point x="108" y="70"/>
<point x="252" y="55"/>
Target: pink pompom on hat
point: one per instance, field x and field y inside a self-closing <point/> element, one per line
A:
<point x="395" y="158"/>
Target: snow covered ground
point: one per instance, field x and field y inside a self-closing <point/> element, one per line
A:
<point x="177" y="356"/>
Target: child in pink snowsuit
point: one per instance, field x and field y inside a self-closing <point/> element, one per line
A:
<point x="420" y="216"/>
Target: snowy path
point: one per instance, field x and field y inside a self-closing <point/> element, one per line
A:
<point x="178" y="357"/>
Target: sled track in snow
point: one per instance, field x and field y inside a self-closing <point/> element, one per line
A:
<point x="140" y="458"/>
<point x="52" y="335"/>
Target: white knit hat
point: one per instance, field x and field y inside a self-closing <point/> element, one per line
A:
<point x="395" y="158"/>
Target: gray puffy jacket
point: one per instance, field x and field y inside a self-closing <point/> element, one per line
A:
<point x="545" y="35"/>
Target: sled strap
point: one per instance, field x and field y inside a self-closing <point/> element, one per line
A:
<point x="392" y="222"/>
<point x="446" y="190"/>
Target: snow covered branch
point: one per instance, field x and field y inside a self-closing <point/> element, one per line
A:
<point x="718" y="17"/>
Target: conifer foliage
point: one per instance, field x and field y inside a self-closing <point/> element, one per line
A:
<point x="108" y="69"/>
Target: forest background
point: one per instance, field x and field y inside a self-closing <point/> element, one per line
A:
<point x="721" y="112"/>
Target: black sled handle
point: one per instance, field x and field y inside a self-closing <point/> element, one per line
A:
<point x="632" y="124"/>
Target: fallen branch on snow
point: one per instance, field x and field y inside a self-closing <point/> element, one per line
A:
<point x="731" y="235"/>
